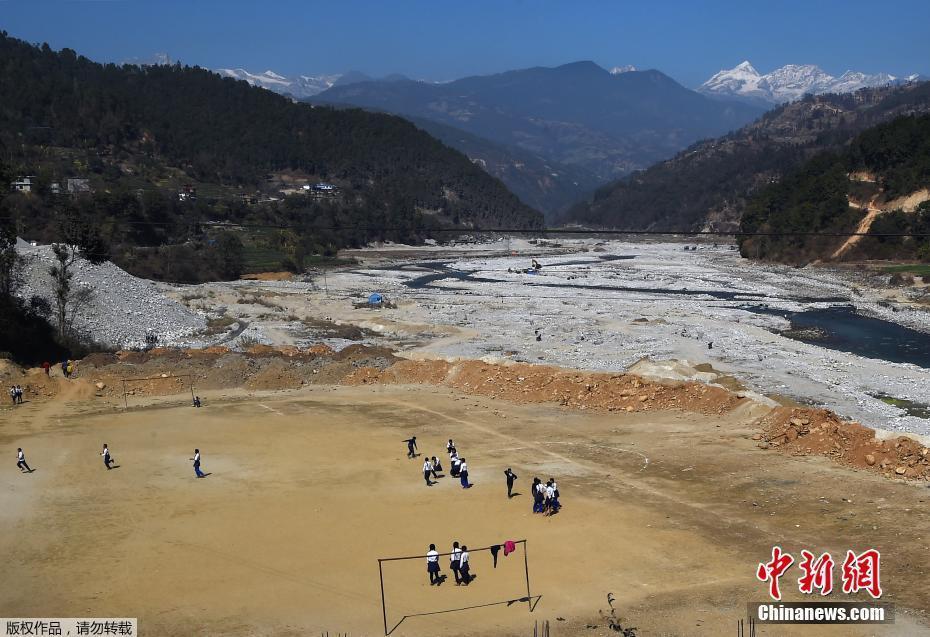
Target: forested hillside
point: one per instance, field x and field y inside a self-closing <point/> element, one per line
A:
<point x="707" y="185"/>
<point x="877" y="185"/>
<point x="141" y="134"/>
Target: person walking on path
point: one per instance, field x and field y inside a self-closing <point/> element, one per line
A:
<point x="411" y="447"/>
<point x="454" y="560"/>
<point x="464" y="566"/>
<point x="463" y="474"/>
<point x="19" y="395"/>
<point x="432" y="565"/>
<point x="106" y="456"/>
<point x="196" y="460"/>
<point x="511" y="477"/>
<point x="21" y="461"/>
<point x="427" y="470"/>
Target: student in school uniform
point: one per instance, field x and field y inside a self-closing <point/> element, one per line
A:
<point x="21" y="461"/>
<point x="465" y="566"/>
<point x="455" y="463"/>
<point x="196" y="460"/>
<point x="411" y="447"/>
<point x="450" y="446"/>
<point x="106" y="456"/>
<point x="432" y="565"/>
<point x="427" y="469"/>
<point x="454" y="561"/>
<point x="511" y="477"/>
<point x="463" y="474"/>
<point x="537" y="496"/>
<point x="437" y="468"/>
<point x="553" y="492"/>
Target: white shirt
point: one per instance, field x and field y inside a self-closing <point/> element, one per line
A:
<point x="456" y="554"/>
<point x="427" y="466"/>
<point x="20" y="455"/>
<point x="540" y="486"/>
<point x="432" y="556"/>
<point x="105" y="452"/>
<point x="463" y="466"/>
<point x="550" y="492"/>
<point x="196" y="457"/>
<point x="464" y="557"/>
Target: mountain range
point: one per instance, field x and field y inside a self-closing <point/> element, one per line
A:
<point x="602" y="123"/>
<point x="789" y="82"/>
<point x="303" y="86"/>
<point x="707" y="186"/>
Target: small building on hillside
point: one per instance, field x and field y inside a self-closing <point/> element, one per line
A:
<point x="23" y="184"/>
<point x="187" y="193"/>
<point x="324" y="187"/>
<point x="78" y="185"/>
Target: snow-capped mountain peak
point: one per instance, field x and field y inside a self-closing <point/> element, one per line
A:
<point x="787" y="83"/>
<point x="626" y="68"/>
<point x="745" y="67"/>
<point x="299" y="87"/>
<point x="742" y="79"/>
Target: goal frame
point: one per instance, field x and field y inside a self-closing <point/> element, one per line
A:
<point x="382" y="560"/>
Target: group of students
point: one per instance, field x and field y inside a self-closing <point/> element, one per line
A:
<point x="545" y="494"/>
<point x="546" y="497"/>
<point x="432" y="467"/>
<point x="459" y="564"/>
<point x="107" y="461"/>
<point x="16" y="394"/>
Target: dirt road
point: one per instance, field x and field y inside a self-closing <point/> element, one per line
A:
<point x="670" y="512"/>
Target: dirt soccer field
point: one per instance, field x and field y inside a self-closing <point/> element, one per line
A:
<point x="668" y="511"/>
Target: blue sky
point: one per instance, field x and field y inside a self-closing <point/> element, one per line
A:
<point x="441" y="40"/>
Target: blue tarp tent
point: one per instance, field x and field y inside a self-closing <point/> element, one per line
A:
<point x="375" y="299"/>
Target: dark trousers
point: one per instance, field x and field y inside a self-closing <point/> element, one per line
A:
<point x="434" y="577"/>
<point x="426" y="477"/>
<point x="465" y="570"/>
<point x="197" y="471"/>
<point x="454" y="566"/>
<point x="509" y="488"/>
<point x="22" y="465"/>
<point x="107" y="461"/>
<point x="410" y="452"/>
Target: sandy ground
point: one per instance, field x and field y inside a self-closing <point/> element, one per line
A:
<point x="669" y="511"/>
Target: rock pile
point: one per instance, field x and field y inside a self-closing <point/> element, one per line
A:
<point x="821" y="432"/>
<point x="122" y="310"/>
